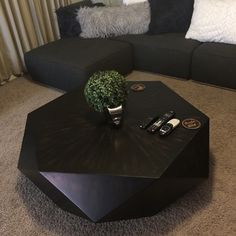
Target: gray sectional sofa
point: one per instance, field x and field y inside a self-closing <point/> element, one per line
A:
<point x="69" y="62"/>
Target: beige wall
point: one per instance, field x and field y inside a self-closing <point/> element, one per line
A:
<point x="132" y="1"/>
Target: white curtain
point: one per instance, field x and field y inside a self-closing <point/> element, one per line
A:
<point x="24" y="25"/>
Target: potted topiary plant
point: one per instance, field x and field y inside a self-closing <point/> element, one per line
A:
<point x="106" y="91"/>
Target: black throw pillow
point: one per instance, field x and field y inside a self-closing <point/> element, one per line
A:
<point x="66" y="17"/>
<point x="170" y="16"/>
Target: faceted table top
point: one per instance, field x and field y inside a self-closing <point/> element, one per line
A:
<point x="68" y="137"/>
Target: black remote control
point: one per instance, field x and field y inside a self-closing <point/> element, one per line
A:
<point x="161" y="121"/>
<point x="147" y="122"/>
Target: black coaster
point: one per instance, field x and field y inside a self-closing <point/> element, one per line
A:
<point x="191" y="123"/>
<point x="138" y="87"/>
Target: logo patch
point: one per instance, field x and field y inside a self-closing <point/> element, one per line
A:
<point x="191" y="123"/>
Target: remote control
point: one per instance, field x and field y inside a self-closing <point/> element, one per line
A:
<point x="169" y="127"/>
<point x="161" y="121"/>
<point x="147" y="122"/>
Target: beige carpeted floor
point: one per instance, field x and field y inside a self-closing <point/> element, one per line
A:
<point x="210" y="209"/>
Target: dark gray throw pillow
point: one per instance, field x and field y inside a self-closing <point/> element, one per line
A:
<point x="170" y="16"/>
<point x="66" y="17"/>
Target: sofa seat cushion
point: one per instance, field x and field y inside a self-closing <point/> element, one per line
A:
<point x="168" y="54"/>
<point x="68" y="63"/>
<point x="215" y="63"/>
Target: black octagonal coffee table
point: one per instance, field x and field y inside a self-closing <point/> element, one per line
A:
<point x="103" y="174"/>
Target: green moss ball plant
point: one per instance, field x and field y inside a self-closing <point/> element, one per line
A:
<point x="105" y="89"/>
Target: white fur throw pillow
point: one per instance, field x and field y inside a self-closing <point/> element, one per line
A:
<point x="102" y="22"/>
<point x="213" y="21"/>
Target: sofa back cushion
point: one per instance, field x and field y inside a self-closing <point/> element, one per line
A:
<point x="170" y="16"/>
<point x="66" y="16"/>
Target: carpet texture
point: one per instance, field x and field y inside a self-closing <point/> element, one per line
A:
<point x="209" y="209"/>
